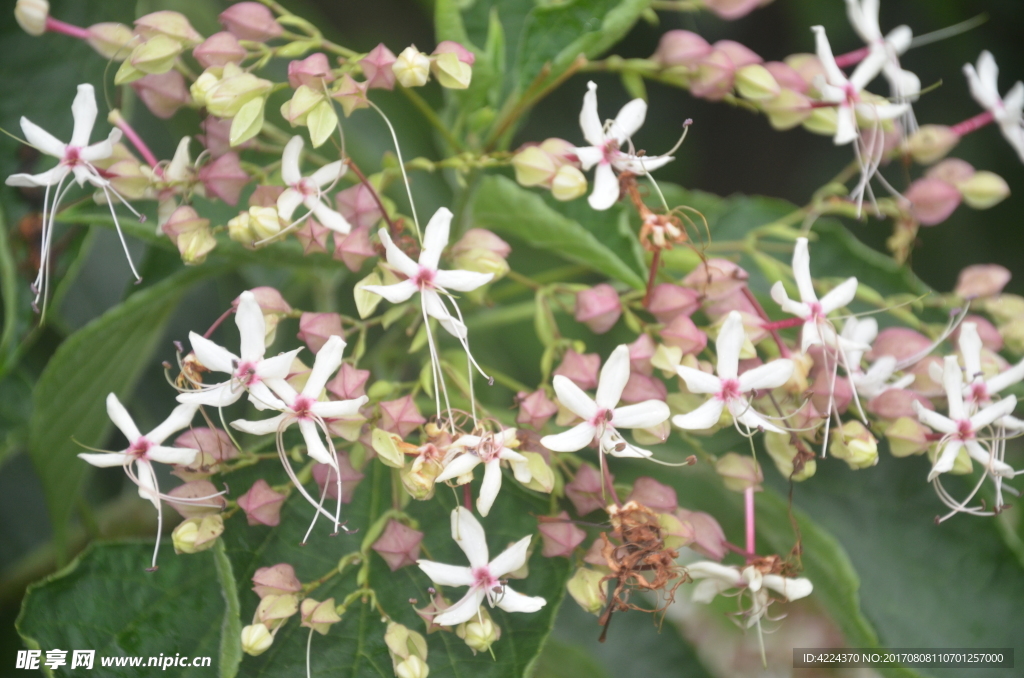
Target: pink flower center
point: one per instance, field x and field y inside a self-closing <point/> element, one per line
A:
<point x="964" y="430"/>
<point x="601" y="418"/>
<point x="140" y="447"/>
<point x="307" y="188"/>
<point x="246" y="373"/>
<point x="483" y="579"/>
<point x="979" y="392"/>
<point x="816" y="311"/>
<point x="302" y="406"/>
<point x="424" y="278"/>
<point x="852" y="95"/>
<point x="730" y="389"/>
<point x="72" y="156"/>
<point x="609" y="151"/>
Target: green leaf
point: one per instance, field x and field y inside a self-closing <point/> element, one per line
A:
<point x="9" y="292"/>
<point x="502" y="206"/>
<point x="107" y="601"/>
<point x="230" y="654"/>
<point x="105" y="356"/>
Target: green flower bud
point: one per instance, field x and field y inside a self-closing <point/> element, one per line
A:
<point x="789" y="109"/>
<point x="304" y="100"/>
<point x="234" y="89"/>
<point x="111" y="40"/>
<point x="855" y="445"/>
<point x="318" y="615"/>
<point x="412" y="68"/>
<point x="533" y="166"/>
<point x="907" y="436"/>
<point x="480" y="632"/>
<point x="156" y="55"/>
<point x="542" y="478"/>
<point x="754" y="82"/>
<point x="450" y="72"/>
<point x="31" y="15"/>
<point x="240" y="229"/>
<point x="739" y="472"/>
<point x="822" y="121"/>
<point x="931" y="143"/>
<point x="588" y="590"/>
<point x="784" y="453"/>
<point x="984" y="190"/>
<point x="413" y="667"/>
<point x="322" y="121"/>
<point x="197" y="534"/>
<point x="256" y="640"/>
<point x="264" y="222"/>
<point x="568" y="184"/>
<point x="275" y="610"/>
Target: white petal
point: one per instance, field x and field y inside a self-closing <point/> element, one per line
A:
<point x="834" y="76"/>
<point x="463" y="610"/>
<point x="640" y="165"/>
<point x="220" y="395"/>
<point x="48" y="178"/>
<point x="331" y="218"/>
<point x="729" y="344"/>
<point x="868" y="69"/>
<point x="211" y="355"/>
<point x="122" y="420"/>
<point x="946" y="459"/>
<point x="576" y="438"/>
<point x="147" y="482"/>
<point x="606" y="188"/>
<point x="641" y="415"/>
<point x="513" y="601"/>
<point x="839" y="296"/>
<point x="287" y="202"/>
<point x="435" y="238"/>
<point x="469" y="535"/>
<point x="263" y="398"/>
<point x="252" y="328"/>
<point x="1006" y="379"/>
<point x="454" y="327"/>
<point x="329" y="173"/>
<point x="589" y="156"/>
<point x="988" y="71"/>
<point x="792" y="589"/>
<point x="993" y="412"/>
<point x="290" y="172"/>
<point x="106" y="460"/>
<point x="590" y="122"/>
<point x="315" y="447"/>
<point x="398" y="259"/>
<point x="992" y="465"/>
<point x="180" y="417"/>
<point x="628" y="121"/>
<point x="171" y="455"/>
<point x="704" y="417"/>
<point x="462" y="281"/>
<point x="614" y="375"/>
<point x="744" y="413"/>
<point x="797" y="308"/>
<point x="706" y="569"/>
<point x="259" y="428"/>
<point x="447" y="575"/>
<point x="698" y="381"/>
<point x="84" y="110"/>
<point x="864" y="19"/>
<point x="328" y="359"/>
<point x="41" y="139"/>
<point x="490" y="487"/>
<point x="396" y="293"/>
<point x="933" y="419"/>
<point x="573" y="397"/>
<point x="846" y="125"/>
<point x="953" y="383"/>
<point x="459" y="466"/>
<point x="771" y="375"/>
<point x="332" y="409"/>
<point x="706" y="590"/>
<point x="278" y="366"/>
<point x="511" y="559"/>
<point x="284" y="391"/>
<point x="970" y="348"/>
<point x="102" y="149"/>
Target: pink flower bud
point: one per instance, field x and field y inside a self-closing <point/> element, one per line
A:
<point x="561" y="152"/>
<point x="599" y="308"/>
<point x="212" y="442"/>
<point x="580" y="369"/>
<point x="216" y="136"/>
<point x="163" y="93"/>
<point x="111" y="40"/>
<point x="897" y="402"/>
<point x="932" y="142"/>
<point x="224" y="178"/>
<point x="183" y="220"/>
<point x="171" y="24"/>
<point x="786" y="76"/>
<point x="683" y="333"/>
<point x="313" y="72"/>
<point x="899" y="342"/>
<point x="316" y="328"/>
<point x="595" y="554"/>
<point x="450" y="46"/>
<point x="265" y="196"/>
<point x="952" y="171"/>
<point x="481" y="239"/>
<point x="824" y="386"/>
<point x="716" y="278"/>
<point x="219" y="49"/>
<point x="377" y="68"/>
<point x="351" y="95"/>
<point x="535" y="409"/>
<point x="640" y="353"/>
<point x="990" y="336"/>
<point x="924" y="383"/>
<point x="681" y="48"/>
<point x="354" y="248"/>
<point x="312" y="235"/>
<point x="585" y="490"/>
<point x="560" y="535"/>
<point x="654" y="495"/>
<point x="982" y="280"/>
<point x="324" y="475"/>
<point x="714" y="76"/>
<point x="250" y="21"/>
<point x="262" y="505"/>
<point x="193" y="490"/>
<point x="708" y="537"/>
<point x="399" y="545"/>
<point x="738" y="54"/>
<point x="641" y="387"/>
<point x="358" y="206"/>
<point x="669" y="300"/>
<point x="808" y="66"/>
<point x="932" y="200"/>
<point x="400" y="416"/>
<point x="278" y="580"/>
<point x="349" y="384"/>
<point x="269" y="299"/>
<point x="732" y="9"/>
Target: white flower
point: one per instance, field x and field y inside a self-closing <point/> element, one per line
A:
<point x="717" y="578"/>
<point x="961" y="430"/>
<point x="605" y="142"/>
<point x="483" y="577"/>
<point x="425" y="277"/>
<point x="601" y="416"/>
<point x="814" y="312"/>
<point x="489" y="450"/>
<point x="863" y="15"/>
<point x="248" y="371"/>
<point x="308" y="191"/>
<point x="1008" y="112"/>
<point x="76" y="158"/>
<point x="979" y="390"/>
<point x="728" y="388"/>
<point x="875" y="381"/>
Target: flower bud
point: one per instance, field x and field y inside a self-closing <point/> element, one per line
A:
<point x="732" y="9"/>
<point x="739" y="55"/>
<point x="355" y="248"/>
<point x="756" y="83"/>
<point x="277" y="580"/>
<point x="326" y="478"/>
<point x="789" y="109"/>
<point x="951" y="170"/>
<point x="666" y="359"/>
<point x="401" y="416"/>
<point x="418" y="481"/>
<point x="480" y="632"/>
<point x="404" y="644"/>
<point x="669" y="300"/>
<point x="714" y="76"/>
<point x="683" y="334"/>
<point x="588" y="588"/>
<point x="240" y="229"/>
<point x="275" y="609"/>
<point x="358" y="206"/>
<point x="641" y="388"/>
<point x="450" y="71"/>
<point x="984" y="190"/>
<point x="598" y="308"/>
<point x="931" y="143"/>
<point x="907" y="436"/>
<point x="560" y="535"/>
<point x="568" y="183"/>
<point x="899" y="342"/>
<point x="412" y="68"/>
<point x="349" y="383"/>
<point x="163" y="93"/>
<point x="807" y="66"/>
<point x="894" y="403"/>
<point x="1013" y="335"/>
<point x="585" y="490"/>
<point x="541" y="477"/>
<point x="676" y="532"/>
<point x="1005" y="307"/>
<point x="129" y="178"/>
<point x="782" y="451"/>
<point x="314" y="72"/>
<point x="111" y="40"/>
<point x="981" y="280"/>
<point x="250" y="21"/>
<point x="398" y="545"/>
<point x="855" y="445"/>
<point x="822" y="121"/>
<point x="681" y="48"/>
<point x="256" y="640"/>
<point x="169" y="24"/>
<point x="377" y="68"/>
<point x="708" y="537"/>
<point x="312" y="235"/>
<point x="197" y="534"/>
<point x="654" y="495"/>
<point x="932" y="200"/>
<point x="412" y="667"/>
<point x="219" y="49"/>
<point x="451" y="47"/>
<point x="212" y="442"/>
<point x="233" y="90"/>
<point x="739" y="473"/>
<point x="31" y="15"/>
<point x="351" y="95"/>
<point x="264" y="222"/>
<point x="581" y="369"/>
<point x="786" y="76"/>
<point x="155" y="55"/>
<point x="194" y="489"/>
<point x="318" y="615"/>
<point x="640" y="353"/>
<point x="533" y="166"/>
<point x="216" y="136"/>
<point x="262" y="505"/>
<point x="716" y="278"/>
<point x="316" y="328"/>
<point x="535" y="409"/>
<point x="183" y="220"/>
<point x="297" y="109"/>
<point x="224" y="178"/>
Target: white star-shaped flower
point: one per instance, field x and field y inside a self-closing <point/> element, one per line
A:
<point x="979" y="391"/>
<point x="308" y="191"/>
<point x="716" y="578"/>
<point x="248" y="371"/>
<point x="728" y="388"/>
<point x="490" y="450"/>
<point x="1008" y="112"/>
<point x="601" y="416"/>
<point x="483" y="576"/>
<point x="961" y="430"/>
<point x="605" y="142"/>
<point x="425" y="277"/>
<point x="863" y="15"/>
<point x="76" y="158"/>
<point x="860" y="333"/>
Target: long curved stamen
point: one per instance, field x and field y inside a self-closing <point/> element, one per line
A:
<point x="401" y="166"/>
<point x="435" y="367"/>
<point x="291" y="472"/>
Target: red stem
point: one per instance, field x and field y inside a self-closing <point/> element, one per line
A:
<point x="218" y="321"/>
<point x="783" y="349"/>
<point x="971" y="124"/>
<point x="655" y="262"/>
<point x="748" y="501"/>
<point x="376" y="198"/>
<point x="55" y="26"/>
<point x="851" y="58"/>
<point x="467" y="497"/>
<point x="133" y="137"/>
